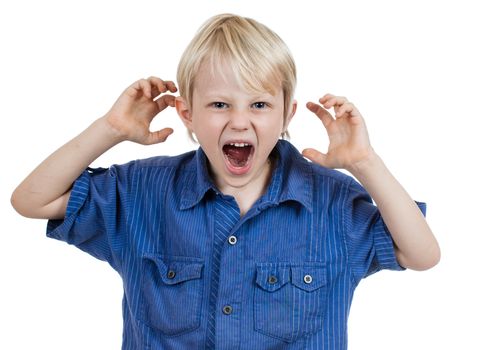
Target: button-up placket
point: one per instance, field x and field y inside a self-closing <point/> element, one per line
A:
<point x="227" y="267"/>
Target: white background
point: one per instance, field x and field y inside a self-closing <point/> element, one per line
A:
<point x="420" y="73"/>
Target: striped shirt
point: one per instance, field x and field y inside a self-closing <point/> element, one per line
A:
<point x="197" y="275"/>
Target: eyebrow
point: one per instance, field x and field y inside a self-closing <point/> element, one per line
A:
<point x="222" y="96"/>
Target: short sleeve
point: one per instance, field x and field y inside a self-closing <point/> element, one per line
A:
<point x="370" y="245"/>
<point x="95" y="214"/>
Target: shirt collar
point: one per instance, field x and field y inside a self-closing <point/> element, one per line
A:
<point x="197" y="180"/>
<point x="291" y="180"/>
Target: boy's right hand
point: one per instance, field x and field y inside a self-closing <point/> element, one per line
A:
<point x="46" y="191"/>
<point x="131" y="115"/>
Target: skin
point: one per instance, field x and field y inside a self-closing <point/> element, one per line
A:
<point x="223" y="111"/>
<point x="415" y="245"/>
<point x="45" y="192"/>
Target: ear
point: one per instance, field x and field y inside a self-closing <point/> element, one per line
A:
<point x="184" y="112"/>
<point x="292" y="111"/>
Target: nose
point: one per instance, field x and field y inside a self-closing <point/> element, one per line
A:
<point x="239" y="120"/>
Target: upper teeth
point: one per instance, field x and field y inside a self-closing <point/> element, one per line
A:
<point x="239" y="144"/>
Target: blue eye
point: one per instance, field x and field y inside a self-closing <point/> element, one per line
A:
<point x="259" y="105"/>
<point x="219" y="105"/>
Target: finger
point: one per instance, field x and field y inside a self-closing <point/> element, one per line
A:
<point x="170" y="86"/>
<point x="135" y="89"/>
<point x="347" y="108"/>
<point x="165" y="101"/>
<point x="319" y="158"/>
<point x="146" y="88"/>
<point x="325" y="97"/>
<point x="158" y="86"/>
<point x="314" y="155"/>
<point x="157" y="83"/>
<point x="321" y="113"/>
<point x="334" y="101"/>
<point x="155" y="91"/>
<point x="158" y="136"/>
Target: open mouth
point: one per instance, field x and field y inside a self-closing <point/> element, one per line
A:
<point x="238" y="156"/>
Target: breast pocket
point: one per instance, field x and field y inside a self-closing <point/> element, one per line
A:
<point x="171" y="293"/>
<point x="290" y="300"/>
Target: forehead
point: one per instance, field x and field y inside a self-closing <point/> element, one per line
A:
<point x="222" y="77"/>
<point x="210" y="78"/>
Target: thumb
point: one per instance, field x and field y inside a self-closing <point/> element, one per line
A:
<point x="315" y="156"/>
<point x="158" y="136"/>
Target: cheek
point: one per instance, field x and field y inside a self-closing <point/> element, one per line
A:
<point x="207" y="130"/>
<point x="199" y="122"/>
<point x="273" y="125"/>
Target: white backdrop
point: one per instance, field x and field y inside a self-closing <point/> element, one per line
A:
<point x="420" y="73"/>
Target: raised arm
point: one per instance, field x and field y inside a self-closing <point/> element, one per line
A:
<point x="45" y="192"/>
<point x="350" y="149"/>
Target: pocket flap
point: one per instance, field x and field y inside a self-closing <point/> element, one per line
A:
<point x="272" y="276"/>
<point x="309" y="277"/>
<point x="173" y="271"/>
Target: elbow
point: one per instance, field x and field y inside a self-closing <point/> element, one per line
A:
<point x="16" y="203"/>
<point x="433" y="257"/>
<point x="427" y="263"/>
<point x="26" y="205"/>
<point x="431" y="260"/>
<point x="422" y="262"/>
<point x="21" y="204"/>
<point x="437" y="257"/>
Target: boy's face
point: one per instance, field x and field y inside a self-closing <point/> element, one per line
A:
<point x="237" y="129"/>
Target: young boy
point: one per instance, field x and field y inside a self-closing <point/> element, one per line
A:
<point x="243" y="243"/>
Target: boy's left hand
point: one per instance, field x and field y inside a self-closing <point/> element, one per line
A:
<point x="349" y="141"/>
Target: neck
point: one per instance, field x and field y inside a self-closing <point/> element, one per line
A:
<point x="247" y="195"/>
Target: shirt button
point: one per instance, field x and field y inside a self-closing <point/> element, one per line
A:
<point x="171" y="274"/>
<point x="232" y="240"/>
<point x="308" y="279"/>
<point x="272" y="279"/>
<point x="227" y="310"/>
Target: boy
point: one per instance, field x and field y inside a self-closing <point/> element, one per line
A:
<point x="242" y="243"/>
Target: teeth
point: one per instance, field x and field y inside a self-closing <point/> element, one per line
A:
<point x="239" y="144"/>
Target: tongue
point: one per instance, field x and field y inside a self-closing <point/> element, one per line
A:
<point x="238" y="156"/>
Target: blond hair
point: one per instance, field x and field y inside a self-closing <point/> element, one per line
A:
<point x="258" y="57"/>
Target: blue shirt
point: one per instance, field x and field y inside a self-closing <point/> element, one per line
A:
<point x="197" y="275"/>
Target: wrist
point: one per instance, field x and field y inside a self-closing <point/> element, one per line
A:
<point x="367" y="165"/>
<point x="109" y="131"/>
